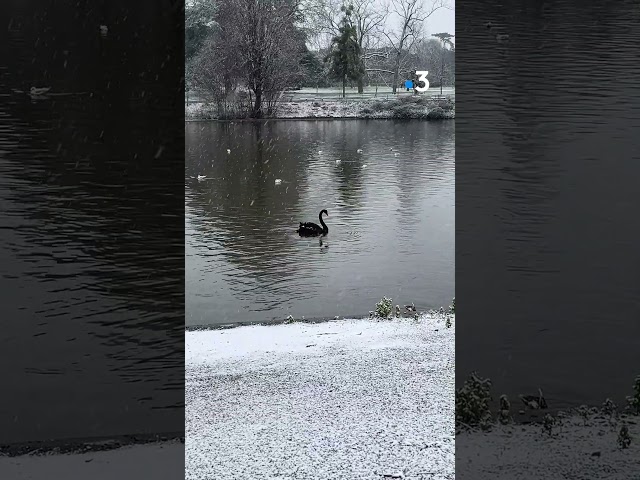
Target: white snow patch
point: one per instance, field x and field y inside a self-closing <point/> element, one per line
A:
<point x="574" y="450"/>
<point x="158" y="461"/>
<point x="342" y="400"/>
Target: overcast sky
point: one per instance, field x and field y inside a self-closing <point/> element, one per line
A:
<point x="441" y="20"/>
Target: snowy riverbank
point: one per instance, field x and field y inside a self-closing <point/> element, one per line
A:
<point x="405" y="108"/>
<point x="160" y="461"/>
<point x="345" y="399"/>
<point x="573" y="450"/>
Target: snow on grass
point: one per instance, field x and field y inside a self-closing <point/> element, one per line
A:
<point x="332" y="109"/>
<point x="574" y="450"/>
<point x="340" y="400"/>
<point x="159" y="461"/>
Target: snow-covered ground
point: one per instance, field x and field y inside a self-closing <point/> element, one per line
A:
<point x="573" y="451"/>
<point x="319" y="109"/>
<point x="158" y="461"/>
<point x="346" y="399"/>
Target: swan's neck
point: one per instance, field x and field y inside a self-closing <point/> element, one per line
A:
<point x="324" y="226"/>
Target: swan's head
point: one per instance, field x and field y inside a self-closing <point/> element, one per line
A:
<point x="325" y="212"/>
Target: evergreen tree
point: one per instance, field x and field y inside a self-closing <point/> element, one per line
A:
<point x="344" y="55"/>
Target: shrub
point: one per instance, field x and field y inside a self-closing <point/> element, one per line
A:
<point x="383" y="308"/>
<point x="436" y="113"/>
<point x="376" y="106"/>
<point x="405" y="111"/>
<point x="624" y="438"/>
<point x="634" y="400"/>
<point x="472" y="402"/>
<point x="547" y="424"/>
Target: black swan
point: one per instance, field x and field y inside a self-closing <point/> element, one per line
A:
<point x="310" y="229"/>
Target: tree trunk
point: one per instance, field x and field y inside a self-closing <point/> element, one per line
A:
<point x="257" y="106"/>
<point x="396" y="72"/>
<point x="361" y="85"/>
<point x="344" y="86"/>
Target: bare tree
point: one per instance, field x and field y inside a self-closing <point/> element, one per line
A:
<point x="255" y="45"/>
<point x="412" y="15"/>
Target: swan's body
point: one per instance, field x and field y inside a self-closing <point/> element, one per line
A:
<point x="359" y="150"/>
<point x="104" y="29"/>
<point x="278" y="181"/>
<point x="338" y="161"/>
<point x="320" y="152"/>
<point x="39" y="90"/>
<point x="201" y="177"/>
<point x="228" y="150"/>
<point x="310" y="229"/>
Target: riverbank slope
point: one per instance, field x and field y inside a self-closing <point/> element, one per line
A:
<point x="406" y="107"/>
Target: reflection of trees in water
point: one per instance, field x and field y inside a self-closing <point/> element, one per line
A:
<point x="242" y="197"/>
<point x="419" y="173"/>
<point x="348" y="136"/>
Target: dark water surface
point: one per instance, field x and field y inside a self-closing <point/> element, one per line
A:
<point x="391" y="218"/>
<point x="88" y="277"/>
<point x="548" y="163"/>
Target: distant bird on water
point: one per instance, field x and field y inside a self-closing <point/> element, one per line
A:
<point x="359" y="150"/>
<point x="35" y="91"/>
<point x="278" y="181"/>
<point x="201" y="177"/>
<point x="310" y="229"/>
<point x="104" y="30"/>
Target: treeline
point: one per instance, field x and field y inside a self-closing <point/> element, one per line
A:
<point x="246" y="53"/>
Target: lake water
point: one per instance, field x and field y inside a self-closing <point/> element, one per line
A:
<point x="391" y="218"/>
<point x="548" y="168"/>
<point x="92" y="309"/>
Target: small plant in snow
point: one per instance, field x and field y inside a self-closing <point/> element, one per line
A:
<point x="584" y="412"/>
<point x="472" y="402"/>
<point x="634" y="400"/>
<point x="610" y="409"/>
<point x="504" y="416"/>
<point x="384" y="308"/>
<point x="447" y="322"/>
<point x="547" y="424"/>
<point x="624" y="437"/>
<point x="290" y="319"/>
<point x="452" y="307"/>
